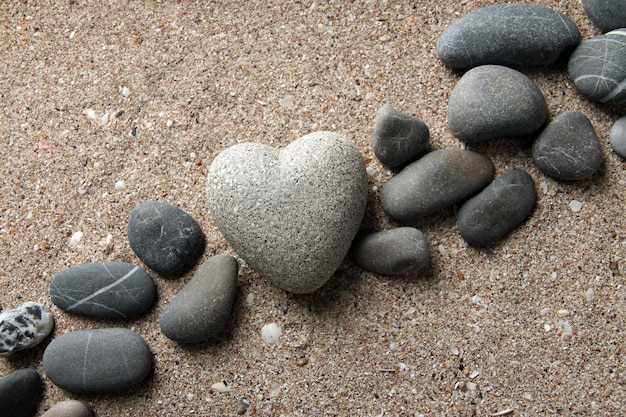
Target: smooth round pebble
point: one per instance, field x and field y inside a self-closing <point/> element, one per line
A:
<point x="606" y="14"/>
<point x="106" y="289"/>
<point x="508" y="34"/>
<point x="501" y="207"/>
<point x="398" y="137"/>
<point x="164" y="237"/>
<point x="202" y="307"/>
<point x="403" y="250"/>
<point x="568" y="148"/>
<point x="24" y="327"/>
<point x="598" y="67"/>
<point x="97" y="361"/>
<point x="68" y="408"/>
<point x="493" y="101"/>
<point x="439" y="179"/>
<point x="291" y="214"/>
<point x="20" y="393"/>
<point x="618" y="137"/>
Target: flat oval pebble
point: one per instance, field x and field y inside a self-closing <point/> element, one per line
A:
<point x="164" y="237"/>
<point x="202" y="307"/>
<point x="499" y="208"/>
<point x="24" y="327"/>
<point x="96" y="361"/>
<point x="398" y="251"/>
<point x="618" y="137"/>
<point x="398" y="137"/>
<point x="20" y="393"/>
<point x="606" y="14"/>
<point x="291" y="214"/>
<point x="568" y="148"/>
<point x="598" y="67"/>
<point x="493" y="101"/>
<point x="508" y="34"/>
<point x="68" y="408"/>
<point x="107" y="290"/>
<point x="439" y="179"/>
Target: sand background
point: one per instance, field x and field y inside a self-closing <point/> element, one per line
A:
<point x="477" y="333"/>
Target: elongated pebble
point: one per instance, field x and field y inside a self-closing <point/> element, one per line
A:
<point x="618" y="137"/>
<point x="68" y="408"/>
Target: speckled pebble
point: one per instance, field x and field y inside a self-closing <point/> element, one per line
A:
<point x="398" y="137"/>
<point x="68" y="408"/>
<point x="20" y="393"/>
<point x="398" y="251"/>
<point x="24" y="327"/>
<point x="618" y="137"/>
<point x="606" y="14"/>
<point x="291" y="214"/>
<point x="568" y="148"/>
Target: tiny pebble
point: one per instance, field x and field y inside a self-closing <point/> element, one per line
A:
<point x="454" y="350"/>
<point x="125" y="91"/>
<point x="575" y="206"/>
<point x="590" y="294"/>
<point x="271" y="333"/>
<point x="120" y="185"/>
<point x="565" y="328"/>
<point x="220" y="387"/>
<point x="393" y="346"/>
<point x="76" y="238"/>
<point x="68" y="408"/>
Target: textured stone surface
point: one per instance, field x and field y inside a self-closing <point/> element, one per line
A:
<point x="108" y="290"/>
<point x="398" y="137"/>
<point x="24" y="327"/>
<point x="20" y="393"/>
<point x="606" y="14"/>
<point x="598" y="67"/>
<point x="499" y="208"/>
<point x="618" y="137"/>
<point x="493" y="101"/>
<point x="164" y="237"/>
<point x="437" y="180"/>
<point x="290" y="213"/>
<point x="403" y="250"/>
<point x="568" y="148"/>
<point x="94" y="361"/>
<point x="507" y="34"/>
<point x="68" y="408"/>
<point x="202" y="307"/>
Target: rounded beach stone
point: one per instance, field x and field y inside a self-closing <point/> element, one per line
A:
<point x="606" y="14"/>
<point x="291" y="214"/>
<point x="68" y="408"/>
<point x="96" y="361"/>
<point x="568" y="148"/>
<point x="437" y="180"/>
<point x="164" y="237"/>
<point x="493" y="101"/>
<point x="598" y="67"/>
<point x="107" y="290"/>
<point x="403" y="250"/>
<point x="24" y="327"/>
<point x="508" y="34"/>
<point x="20" y="393"/>
<point x="202" y="307"/>
<point x="398" y="137"/>
<point x="499" y="208"/>
<point x="618" y="137"/>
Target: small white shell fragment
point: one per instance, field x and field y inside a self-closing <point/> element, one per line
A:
<point x="250" y="299"/>
<point x="575" y="206"/>
<point x="271" y="333"/>
<point x="528" y="396"/>
<point x="370" y="170"/>
<point x="563" y="313"/>
<point x="454" y="350"/>
<point x="220" y="387"/>
<point x="76" y="238"/>
<point x="403" y="367"/>
<point x="287" y="102"/>
<point x="275" y="390"/>
<point x="120" y="185"/>
<point x="24" y="327"/>
<point x="472" y="386"/>
<point x="547" y="327"/>
<point x="590" y="294"/>
<point x="474" y="375"/>
<point x="91" y="115"/>
<point x="565" y="328"/>
<point x="393" y="346"/>
<point x="502" y="413"/>
<point x="125" y="91"/>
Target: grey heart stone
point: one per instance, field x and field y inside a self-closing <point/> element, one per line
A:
<point x="291" y="214"/>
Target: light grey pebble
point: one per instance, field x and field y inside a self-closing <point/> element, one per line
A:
<point x="97" y="361"/>
<point x="202" y="307"/>
<point x="291" y="214"/>
<point x="508" y="34"/>
<point x="398" y="137"/>
<point x="163" y="236"/>
<point x="498" y="209"/>
<point x="493" y="101"/>
<point x="568" y="148"/>
<point x="606" y="14"/>
<point x="24" y="327"/>
<point x="20" y="393"/>
<point x="598" y="67"/>
<point x="68" y="408"/>
<point x="618" y="137"/>
<point x="439" y="179"/>
<point x="104" y="289"/>
<point x="398" y="251"/>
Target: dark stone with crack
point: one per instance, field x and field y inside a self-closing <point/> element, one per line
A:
<point x="398" y="137"/>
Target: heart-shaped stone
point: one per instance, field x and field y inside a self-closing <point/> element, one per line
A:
<point x="291" y="214"/>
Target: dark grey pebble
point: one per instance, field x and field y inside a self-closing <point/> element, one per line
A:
<point x="568" y="148"/>
<point x="606" y="14"/>
<point x="398" y="137"/>
<point x="437" y="180"/>
<point x="403" y="250"/>
<point x="202" y="307"/>
<point x="508" y="34"/>
<point x="68" y="408"/>
<point x="24" y="327"/>
<point x="493" y="101"/>
<point x="96" y="361"/>
<point x="164" y="237"/>
<point x="501" y="207"/>
<point x="20" y="393"/>
<point x="598" y="67"/>
<point x="618" y="137"/>
<point x="107" y="290"/>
